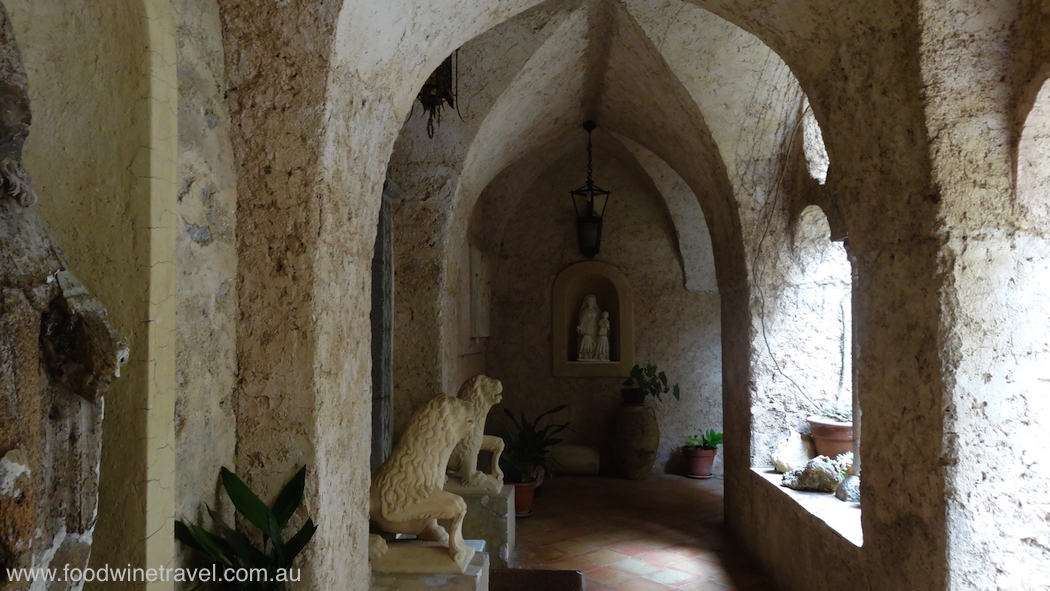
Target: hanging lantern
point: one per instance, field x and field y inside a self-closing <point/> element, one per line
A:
<point x="589" y="201"/>
<point x="440" y="89"/>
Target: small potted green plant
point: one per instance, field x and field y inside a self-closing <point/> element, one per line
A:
<point x="699" y="452"/>
<point x="234" y="549"/>
<point x="526" y="456"/>
<point x="646" y="381"/>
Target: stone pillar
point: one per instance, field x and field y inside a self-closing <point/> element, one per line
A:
<point x="855" y="352"/>
<point x="382" y="318"/>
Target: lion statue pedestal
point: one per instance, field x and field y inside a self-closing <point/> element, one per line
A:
<point x="406" y="494"/>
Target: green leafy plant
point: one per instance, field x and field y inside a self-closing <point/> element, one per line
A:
<point x="651" y="381"/>
<point x="234" y="550"/>
<point x="528" y="446"/>
<point x="708" y="440"/>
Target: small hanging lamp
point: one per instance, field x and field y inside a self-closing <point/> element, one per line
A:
<point x="589" y="201"/>
<point x="440" y="89"/>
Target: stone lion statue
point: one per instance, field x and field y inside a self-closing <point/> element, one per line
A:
<point x="406" y="494"/>
<point x="479" y="391"/>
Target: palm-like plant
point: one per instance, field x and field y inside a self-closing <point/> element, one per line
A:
<point x="234" y="550"/>
<point x="528" y="446"/>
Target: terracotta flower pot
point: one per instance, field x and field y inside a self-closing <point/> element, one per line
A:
<point x="523" y="495"/>
<point x="831" y="437"/>
<point x="700" y="462"/>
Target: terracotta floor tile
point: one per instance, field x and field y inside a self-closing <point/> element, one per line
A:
<point x="641" y="585"/>
<point x="571" y="563"/>
<point x="660" y="558"/>
<point x="662" y="533"/>
<point x="670" y="577"/>
<point x="604" y="556"/>
<point x="543" y="555"/>
<point x="571" y="547"/>
<point x="607" y="575"/>
<point x="633" y="565"/>
<point x="705" y="585"/>
<point x="697" y="567"/>
<point x="631" y="547"/>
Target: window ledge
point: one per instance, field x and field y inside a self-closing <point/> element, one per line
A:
<point x="842" y="518"/>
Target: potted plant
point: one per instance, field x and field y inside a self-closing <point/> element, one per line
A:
<point x="832" y="430"/>
<point x="646" y="381"/>
<point x="526" y="456"/>
<point x="235" y="550"/>
<point x="699" y="452"/>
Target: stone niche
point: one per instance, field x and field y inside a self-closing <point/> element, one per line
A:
<point x="610" y="287"/>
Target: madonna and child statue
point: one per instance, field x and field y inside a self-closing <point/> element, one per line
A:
<point x="593" y="330"/>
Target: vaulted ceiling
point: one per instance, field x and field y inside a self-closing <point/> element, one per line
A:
<point x="692" y="96"/>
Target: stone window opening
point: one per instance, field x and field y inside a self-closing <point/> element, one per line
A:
<point x="810" y="339"/>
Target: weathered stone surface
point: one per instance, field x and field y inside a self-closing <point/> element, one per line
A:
<point x="849" y="489"/>
<point x="793" y="453"/>
<point x="474" y="578"/>
<point x="206" y="261"/>
<point x="17" y="506"/>
<point x="58" y="357"/>
<point x="490" y="517"/>
<point x="820" y="474"/>
<point x="931" y="114"/>
<point x="421" y="557"/>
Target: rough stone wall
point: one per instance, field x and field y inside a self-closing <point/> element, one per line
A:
<point x="993" y="330"/>
<point x="496" y="69"/>
<point x="276" y="69"/>
<point x="58" y="356"/>
<point x="206" y="363"/>
<point x="317" y="93"/>
<point x="675" y="328"/>
<point x="874" y="155"/>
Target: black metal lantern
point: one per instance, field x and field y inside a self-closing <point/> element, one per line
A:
<point x="440" y="89"/>
<point x="590" y="201"/>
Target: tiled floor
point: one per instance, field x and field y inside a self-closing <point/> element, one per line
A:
<point x="661" y="533"/>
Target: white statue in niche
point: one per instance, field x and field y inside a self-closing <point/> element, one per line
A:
<point x="601" y="349"/>
<point x="587" y="328"/>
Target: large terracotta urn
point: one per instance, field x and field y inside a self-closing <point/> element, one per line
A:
<point x="633" y="441"/>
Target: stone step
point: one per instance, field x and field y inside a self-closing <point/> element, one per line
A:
<point x="521" y="579"/>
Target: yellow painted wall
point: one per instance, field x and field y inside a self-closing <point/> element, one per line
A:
<point x="101" y="152"/>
